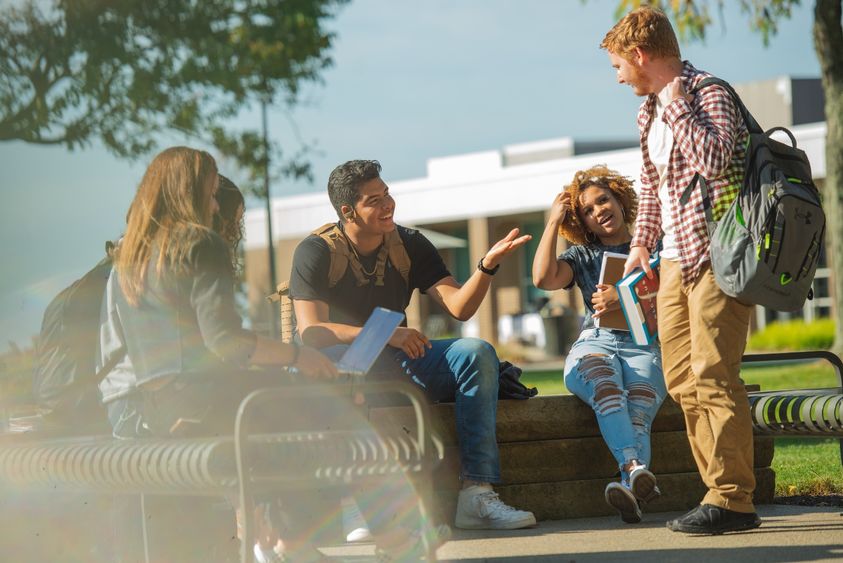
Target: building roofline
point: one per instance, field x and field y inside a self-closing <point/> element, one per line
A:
<point x="468" y="186"/>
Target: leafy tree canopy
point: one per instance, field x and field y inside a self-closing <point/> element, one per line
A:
<point x="693" y="17"/>
<point x="73" y="71"/>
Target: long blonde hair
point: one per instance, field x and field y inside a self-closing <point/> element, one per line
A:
<point x="170" y="212"/>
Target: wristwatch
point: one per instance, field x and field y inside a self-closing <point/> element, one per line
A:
<point x="486" y="270"/>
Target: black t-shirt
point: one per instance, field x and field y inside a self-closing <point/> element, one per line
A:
<point x="350" y="304"/>
<point x="586" y="261"/>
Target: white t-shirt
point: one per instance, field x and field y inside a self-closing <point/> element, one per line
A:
<point x="660" y="145"/>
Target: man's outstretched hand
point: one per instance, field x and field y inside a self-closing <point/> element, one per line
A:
<point x="503" y="247"/>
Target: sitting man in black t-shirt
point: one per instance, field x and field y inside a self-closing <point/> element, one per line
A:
<point x="329" y="316"/>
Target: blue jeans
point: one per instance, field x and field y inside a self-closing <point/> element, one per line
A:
<point x="464" y="370"/>
<point x="623" y="383"/>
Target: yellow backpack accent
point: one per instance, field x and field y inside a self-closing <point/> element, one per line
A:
<point x="343" y="256"/>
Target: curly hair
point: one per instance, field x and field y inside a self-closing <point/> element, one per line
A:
<point x="647" y="28"/>
<point x="573" y="229"/>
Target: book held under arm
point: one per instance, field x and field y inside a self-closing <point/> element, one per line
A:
<point x="637" y="294"/>
<point x="611" y="271"/>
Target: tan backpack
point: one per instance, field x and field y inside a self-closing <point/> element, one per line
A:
<point x="344" y="255"/>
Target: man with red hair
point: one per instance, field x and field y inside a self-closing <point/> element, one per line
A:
<point x="703" y="331"/>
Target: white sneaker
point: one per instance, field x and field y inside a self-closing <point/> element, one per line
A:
<point x="622" y="499"/>
<point x="643" y="485"/>
<point x="480" y="508"/>
<point x="353" y="524"/>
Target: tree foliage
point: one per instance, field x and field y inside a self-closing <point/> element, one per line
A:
<point x="74" y="71"/>
<point x="692" y="17"/>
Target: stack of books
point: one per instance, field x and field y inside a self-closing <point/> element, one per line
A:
<point x="637" y="295"/>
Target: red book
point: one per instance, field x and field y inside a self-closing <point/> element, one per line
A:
<point x="637" y="295"/>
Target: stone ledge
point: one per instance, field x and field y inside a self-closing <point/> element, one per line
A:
<point x="546" y="417"/>
<point x="554" y="461"/>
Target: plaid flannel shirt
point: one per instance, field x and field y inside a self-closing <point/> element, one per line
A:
<point x="709" y="137"/>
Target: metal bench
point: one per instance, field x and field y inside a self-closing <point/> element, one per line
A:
<point x="243" y="464"/>
<point x="808" y="413"/>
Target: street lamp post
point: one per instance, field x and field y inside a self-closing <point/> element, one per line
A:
<point x="269" y="245"/>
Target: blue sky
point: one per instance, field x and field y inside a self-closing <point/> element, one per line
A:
<point x="411" y="81"/>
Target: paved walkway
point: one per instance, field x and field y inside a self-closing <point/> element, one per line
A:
<point x="789" y="533"/>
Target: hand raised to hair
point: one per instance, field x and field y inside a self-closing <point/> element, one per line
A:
<point x="561" y="207"/>
<point x="503" y="247"/>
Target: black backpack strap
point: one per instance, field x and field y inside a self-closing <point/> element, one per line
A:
<point x="689" y="189"/>
<point x="706" y="198"/>
<point x="751" y="125"/>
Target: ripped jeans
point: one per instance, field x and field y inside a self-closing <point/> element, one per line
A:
<point x="623" y="383"/>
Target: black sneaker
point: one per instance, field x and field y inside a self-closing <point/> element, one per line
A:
<point x="643" y="485"/>
<point x="622" y="499"/>
<point x="713" y="520"/>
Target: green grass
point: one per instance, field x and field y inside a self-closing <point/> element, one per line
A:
<point x="794" y="376"/>
<point x="807" y="466"/>
<point x="803" y="466"/>
<point x="770" y="378"/>
<point x="548" y="382"/>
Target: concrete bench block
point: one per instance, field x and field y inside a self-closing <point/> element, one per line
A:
<point x="555" y="463"/>
<point x="574" y="459"/>
<point x="546" y="417"/>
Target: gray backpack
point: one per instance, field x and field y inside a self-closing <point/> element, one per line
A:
<point x="765" y="248"/>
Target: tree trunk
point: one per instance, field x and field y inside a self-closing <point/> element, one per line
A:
<point x="828" y="42"/>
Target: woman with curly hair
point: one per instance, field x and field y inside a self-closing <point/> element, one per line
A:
<point x="620" y="380"/>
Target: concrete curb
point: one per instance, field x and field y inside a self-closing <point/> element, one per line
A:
<point x="788" y="533"/>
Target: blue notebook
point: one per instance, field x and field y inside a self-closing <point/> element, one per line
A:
<point x="371" y="341"/>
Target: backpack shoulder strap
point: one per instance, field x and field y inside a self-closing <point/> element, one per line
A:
<point x="340" y="253"/>
<point x="338" y="246"/>
<point x="398" y="254"/>
<point x="751" y="124"/>
<point x="342" y="256"/>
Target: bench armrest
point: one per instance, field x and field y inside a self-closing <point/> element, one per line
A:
<point x="430" y="451"/>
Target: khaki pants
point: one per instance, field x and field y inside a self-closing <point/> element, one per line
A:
<point x="703" y="334"/>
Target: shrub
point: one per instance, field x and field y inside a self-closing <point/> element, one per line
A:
<point x="794" y="335"/>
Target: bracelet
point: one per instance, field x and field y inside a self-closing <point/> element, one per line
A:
<point x="486" y="270"/>
<point x="296" y="350"/>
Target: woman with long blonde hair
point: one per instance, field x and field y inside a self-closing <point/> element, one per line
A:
<point x="172" y="284"/>
<point x="170" y="327"/>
